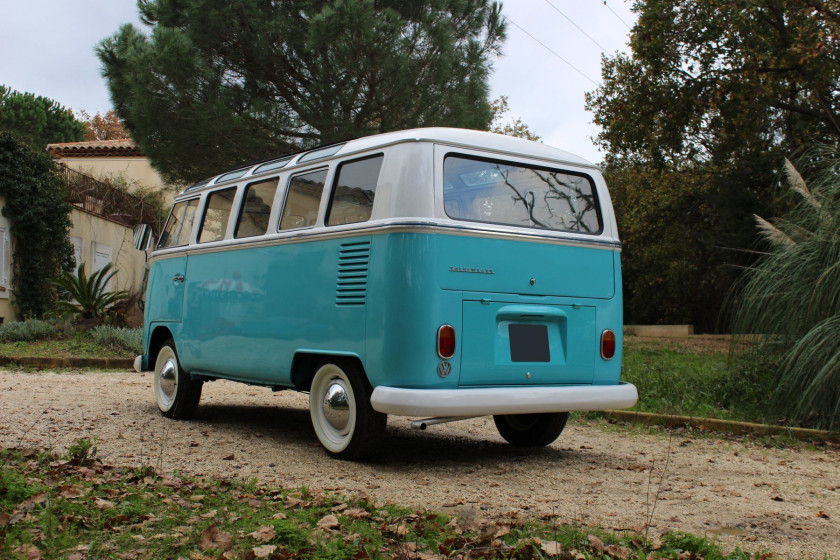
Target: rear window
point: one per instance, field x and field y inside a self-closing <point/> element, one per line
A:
<point x="483" y="190"/>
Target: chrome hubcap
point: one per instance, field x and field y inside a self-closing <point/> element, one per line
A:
<point x="168" y="379"/>
<point x="336" y="407"/>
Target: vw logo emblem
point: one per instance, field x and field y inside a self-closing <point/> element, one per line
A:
<point x="444" y="368"/>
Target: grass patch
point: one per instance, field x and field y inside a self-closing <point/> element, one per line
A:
<point x="675" y="379"/>
<point x="78" y="508"/>
<point x="101" y="342"/>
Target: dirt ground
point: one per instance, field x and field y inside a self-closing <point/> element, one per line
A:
<point x="784" y="500"/>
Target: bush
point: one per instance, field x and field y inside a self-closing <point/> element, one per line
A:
<point x="91" y="298"/>
<point x="128" y="339"/>
<point x="31" y="330"/>
<point x="792" y="298"/>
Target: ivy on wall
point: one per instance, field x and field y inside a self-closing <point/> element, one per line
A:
<point x="39" y="213"/>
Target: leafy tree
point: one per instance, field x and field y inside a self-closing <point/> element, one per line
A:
<point x="222" y="81"/>
<point x="37" y="120"/>
<point x="721" y="81"/>
<point x="792" y="297"/>
<point x="39" y="214"/>
<point x="711" y="96"/>
<point x="103" y="127"/>
<point x="510" y="127"/>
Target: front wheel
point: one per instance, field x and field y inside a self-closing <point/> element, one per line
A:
<point x="531" y="430"/>
<point x="177" y="395"/>
<point x="339" y="405"/>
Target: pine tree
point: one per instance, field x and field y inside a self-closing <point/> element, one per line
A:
<point x="37" y="120"/>
<point x="219" y="82"/>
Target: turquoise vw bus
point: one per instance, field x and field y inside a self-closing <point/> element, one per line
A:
<point x="434" y="273"/>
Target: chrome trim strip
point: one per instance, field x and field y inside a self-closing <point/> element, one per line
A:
<point x="380" y="228"/>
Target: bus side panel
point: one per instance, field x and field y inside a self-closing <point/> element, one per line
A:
<point x="248" y="310"/>
<point x="405" y="310"/>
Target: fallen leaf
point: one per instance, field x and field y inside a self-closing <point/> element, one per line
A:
<point x="620" y="552"/>
<point x="29" y="552"/>
<point x="264" y="533"/>
<point x="263" y="551"/>
<point x="230" y="457"/>
<point x="70" y="491"/>
<point x="777" y="499"/>
<point x="822" y="514"/>
<point x="329" y="523"/>
<point x="400" y="530"/>
<point x="4" y="519"/>
<point x="596" y="543"/>
<point x="357" y="513"/>
<point x="212" y="537"/>
<point x="279" y="515"/>
<point x="210" y="514"/>
<point x="104" y="504"/>
<point x="552" y="548"/>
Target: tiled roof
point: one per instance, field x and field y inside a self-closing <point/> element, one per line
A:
<point x="124" y="147"/>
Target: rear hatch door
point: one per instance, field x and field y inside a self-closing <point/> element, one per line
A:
<point x="509" y="343"/>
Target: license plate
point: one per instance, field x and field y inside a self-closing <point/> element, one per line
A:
<point x="529" y="343"/>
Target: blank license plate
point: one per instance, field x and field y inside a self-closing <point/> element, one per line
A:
<point x="529" y="343"/>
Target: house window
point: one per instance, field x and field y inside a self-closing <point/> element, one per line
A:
<point x="78" y="254"/>
<point x="5" y="264"/>
<point x="101" y="257"/>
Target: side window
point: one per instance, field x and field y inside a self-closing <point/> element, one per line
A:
<point x="355" y="187"/>
<point x="303" y="199"/>
<point x="176" y="233"/>
<point x="216" y="215"/>
<point x="253" y="219"/>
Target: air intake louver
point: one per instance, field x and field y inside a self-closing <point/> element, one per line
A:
<point x="351" y="285"/>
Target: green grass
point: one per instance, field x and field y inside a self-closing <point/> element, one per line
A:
<point x="686" y="382"/>
<point x="98" y="343"/>
<point x="77" y="506"/>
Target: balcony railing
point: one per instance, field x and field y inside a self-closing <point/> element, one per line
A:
<point x="102" y="199"/>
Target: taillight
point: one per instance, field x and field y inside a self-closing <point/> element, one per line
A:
<point x="446" y="341"/>
<point x="607" y="344"/>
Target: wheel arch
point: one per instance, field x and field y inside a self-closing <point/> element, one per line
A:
<point x="160" y="334"/>
<point x="305" y="362"/>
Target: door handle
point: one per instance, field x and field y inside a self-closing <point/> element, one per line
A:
<point x="178" y="278"/>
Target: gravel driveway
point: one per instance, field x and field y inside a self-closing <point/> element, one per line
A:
<point x="787" y="500"/>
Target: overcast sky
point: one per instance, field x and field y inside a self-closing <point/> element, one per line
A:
<point x="47" y="48"/>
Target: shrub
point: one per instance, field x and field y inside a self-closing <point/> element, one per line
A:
<point x="30" y="330"/>
<point x="92" y="300"/>
<point x="129" y="339"/>
<point x="792" y="297"/>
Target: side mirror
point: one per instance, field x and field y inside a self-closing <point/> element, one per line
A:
<point x="143" y="237"/>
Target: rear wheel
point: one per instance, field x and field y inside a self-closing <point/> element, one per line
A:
<point x="177" y="395"/>
<point x="531" y="430"/>
<point x="339" y="405"/>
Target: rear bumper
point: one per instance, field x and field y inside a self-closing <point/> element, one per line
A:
<point x="502" y="400"/>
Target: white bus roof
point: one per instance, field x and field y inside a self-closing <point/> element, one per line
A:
<point x="451" y="136"/>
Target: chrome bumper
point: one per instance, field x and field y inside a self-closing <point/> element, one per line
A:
<point x="502" y="400"/>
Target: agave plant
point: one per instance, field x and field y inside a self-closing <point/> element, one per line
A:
<point x="92" y="300"/>
<point x="792" y="298"/>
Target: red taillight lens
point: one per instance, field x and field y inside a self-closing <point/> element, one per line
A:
<point x="446" y="341"/>
<point x="607" y="344"/>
